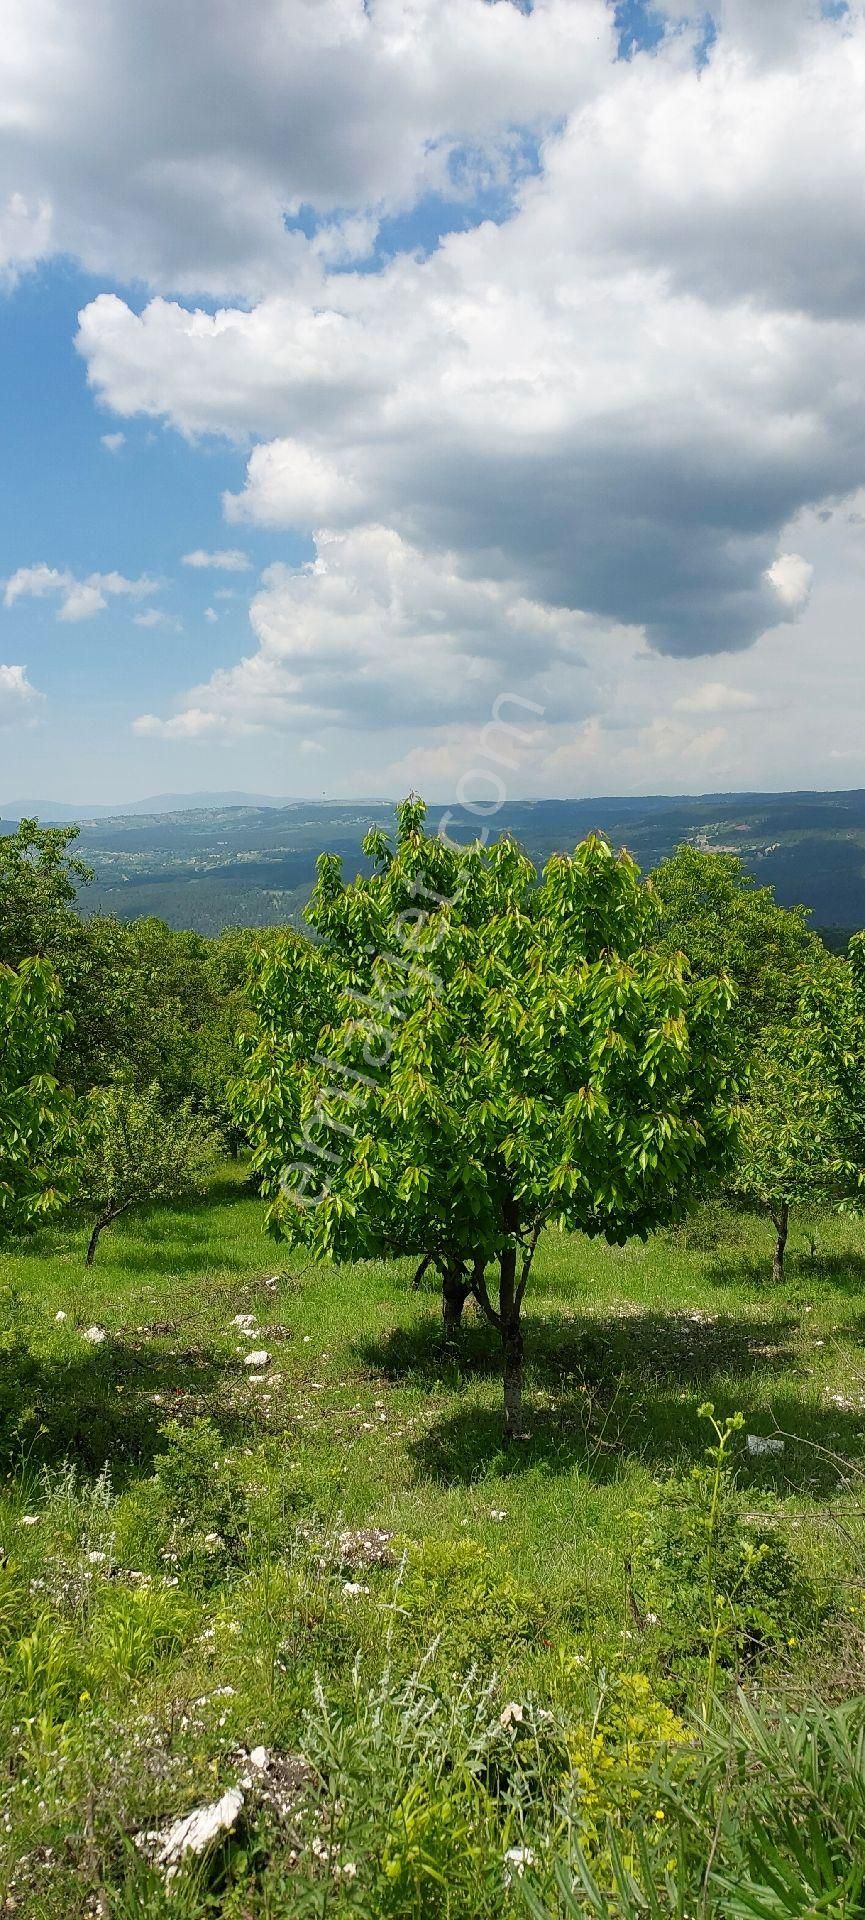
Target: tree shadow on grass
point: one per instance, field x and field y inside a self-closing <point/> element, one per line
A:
<point x="658" y="1429"/>
<point x="584" y="1350"/>
<point x="601" y="1395"/>
<point x="193" y="1254"/>
<point x="226" y="1190"/>
<point x="154" y="1240"/>
<point x="843" y="1271"/>
<point x="106" y="1405"/>
<point x="853" y="1330"/>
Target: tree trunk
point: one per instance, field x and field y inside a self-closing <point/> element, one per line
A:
<point x="781" y="1221"/>
<point x="455" y="1292"/>
<point x="512" y="1354"/>
<point x="106" y="1219"/>
<point x="512" y="1343"/>
<point x="507" y="1319"/>
<point x="103" y="1221"/>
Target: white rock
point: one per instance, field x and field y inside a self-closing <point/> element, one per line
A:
<point x="258" y="1759"/>
<point x="60" y="1316"/>
<point x="243" y="1320"/>
<point x="168" y="1847"/>
<point x="756" y="1443"/>
<point x="30" y="1519"/>
<point x="257" y="1359"/>
<point x="95" y="1335"/>
<point x="512" y="1714"/>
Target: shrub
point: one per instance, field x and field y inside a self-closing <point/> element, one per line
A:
<point x="616" y="1759"/>
<point x="719" y="1587"/>
<point x="453" y="1591"/>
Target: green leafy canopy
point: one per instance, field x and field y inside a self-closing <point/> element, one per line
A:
<point x="472" y="1051"/>
<point x="36" y="1113"/>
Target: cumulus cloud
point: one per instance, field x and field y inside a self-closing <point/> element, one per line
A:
<point x="592" y="438"/>
<point x="112" y="442"/>
<point x="225" y="560"/>
<point x="607" y="397"/>
<point x="180" y="146"/>
<point x="373" y="633"/>
<point x="78" y="599"/>
<point x="17" y="695"/>
<point x="791" y="577"/>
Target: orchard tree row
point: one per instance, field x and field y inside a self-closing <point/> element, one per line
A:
<point x="118" y="1044"/>
<point x="471" y="1051"/>
<point x="463" y="1053"/>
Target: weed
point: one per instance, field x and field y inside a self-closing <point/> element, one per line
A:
<point x="718" y="1588"/>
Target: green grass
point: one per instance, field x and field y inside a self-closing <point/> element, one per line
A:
<point x="520" y="1568"/>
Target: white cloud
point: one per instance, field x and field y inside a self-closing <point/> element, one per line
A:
<point x="289" y="485"/>
<point x="211" y="616"/>
<point x="619" y="395"/>
<point x="35" y="581"/>
<point x="157" y="617"/>
<point x="189" y="725"/>
<point x="26" y="234"/>
<point x="177" y="147"/>
<point x="17" y="694"/>
<point x="791" y="577"/>
<point x="373" y="633"/>
<point x="79" y="599"/>
<point x="715" y="697"/>
<point x="112" y="442"/>
<point x="589" y="442"/>
<point x="226" y="559"/>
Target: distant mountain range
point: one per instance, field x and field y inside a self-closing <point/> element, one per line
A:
<point x="213" y="860"/>
<point x="59" y="812"/>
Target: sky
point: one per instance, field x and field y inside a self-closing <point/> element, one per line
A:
<point x="466" y="395"/>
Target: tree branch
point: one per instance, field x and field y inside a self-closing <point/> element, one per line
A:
<point x="479" y="1289"/>
<point x="526" y="1267"/>
<point x="426" y="1262"/>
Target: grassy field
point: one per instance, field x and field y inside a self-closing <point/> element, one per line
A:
<point x="195" y="1568"/>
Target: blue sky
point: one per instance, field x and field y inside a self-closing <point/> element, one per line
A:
<point x="518" y="351"/>
<point x="76" y="504"/>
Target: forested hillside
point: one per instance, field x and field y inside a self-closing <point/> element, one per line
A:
<point x="247" y="866"/>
